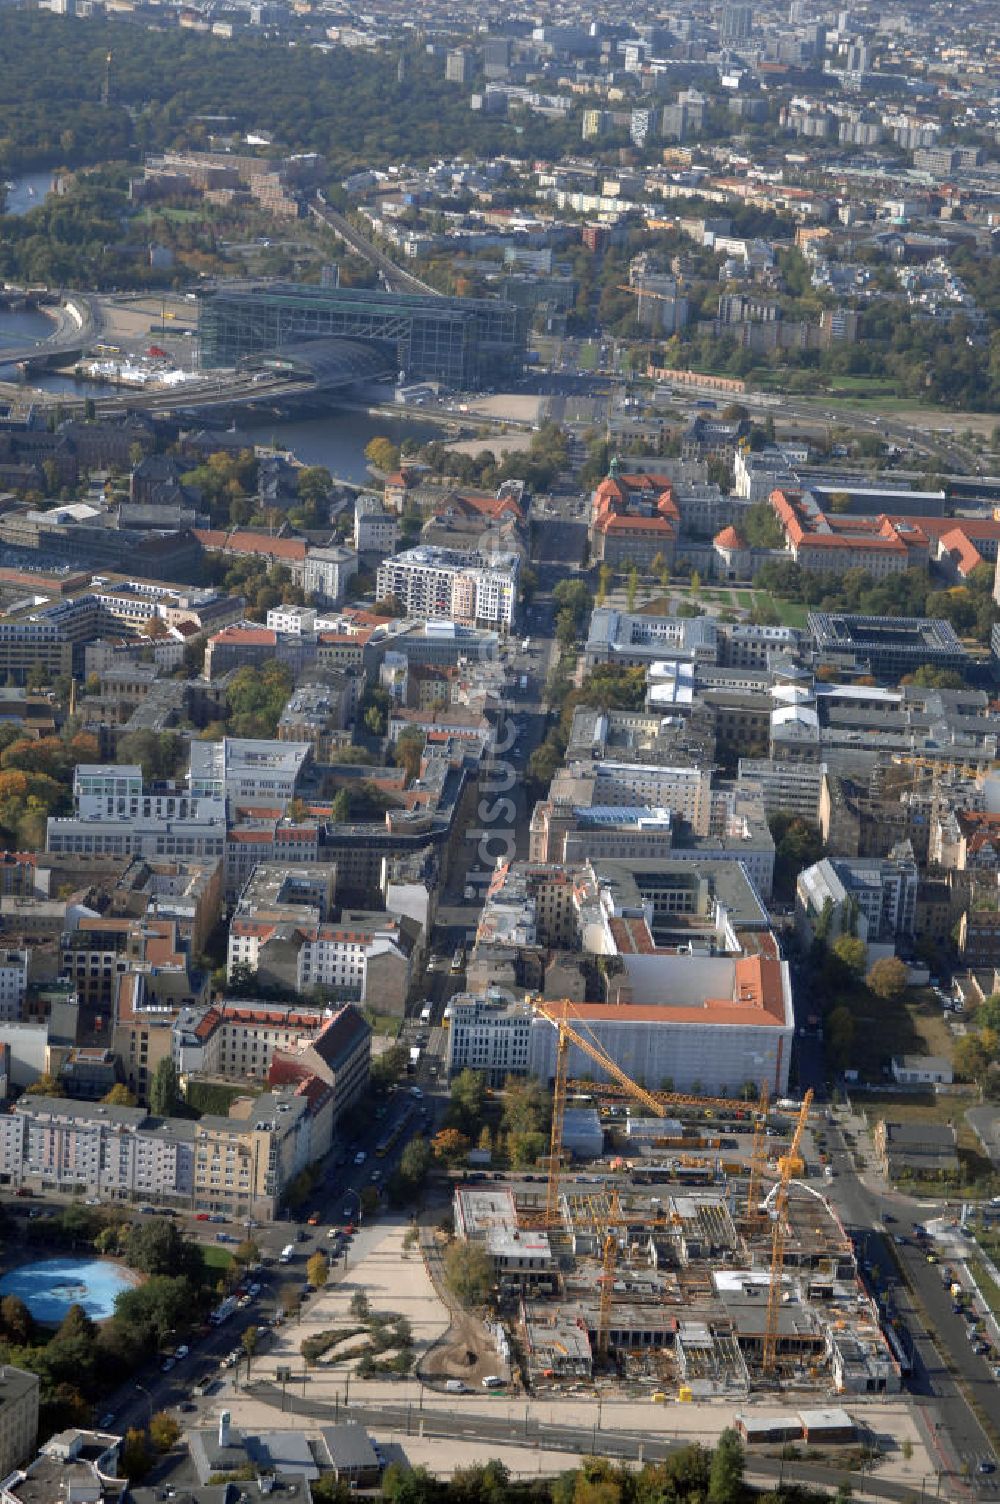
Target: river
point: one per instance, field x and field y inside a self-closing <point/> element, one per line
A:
<point x="27" y="192"/>
<point x="336" y="440"/>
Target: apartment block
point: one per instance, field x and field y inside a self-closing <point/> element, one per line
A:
<point x="470" y="588"/>
<point x="238" y="1165"/>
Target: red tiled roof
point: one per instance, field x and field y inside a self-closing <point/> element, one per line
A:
<point x="238" y="542"/>
<point x="728" y="538"/>
<point x="264" y="637"/>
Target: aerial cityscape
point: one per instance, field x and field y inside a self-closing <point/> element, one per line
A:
<point x="499" y="752"/>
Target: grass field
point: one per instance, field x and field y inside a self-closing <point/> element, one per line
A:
<point x="790" y="613"/>
<point x="587" y="356"/>
<point x="215" y="1257"/>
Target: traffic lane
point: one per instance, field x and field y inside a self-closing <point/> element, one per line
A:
<point x="860" y="1211"/>
<point x="951" y="1331"/>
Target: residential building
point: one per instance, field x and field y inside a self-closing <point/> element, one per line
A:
<point x="239" y="1165"/>
<point x="874" y="899"/>
<point x="72" y="1464"/>
<point x="247" y="770"/>
<point x="13" y="983"/>
<point x="339" y="1057"/>
<point x="467" y="587"/>
<point x="376" y="526"/>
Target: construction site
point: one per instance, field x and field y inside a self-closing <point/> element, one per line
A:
<point x="681" y="1275"/>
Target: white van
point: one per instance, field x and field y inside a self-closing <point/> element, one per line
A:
<point x="287" y="1254"/>
<point x="494" y="1381"/>
<point x="455" y="1386"/>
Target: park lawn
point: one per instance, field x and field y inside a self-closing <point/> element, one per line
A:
<point x="384" y="1023"/>
<point x="744" y="598"/>
<point x="863" y="385"/>
<point x="790" y="613"/>
<point x="587" y="356"/>
<point x="214" y="1256"/>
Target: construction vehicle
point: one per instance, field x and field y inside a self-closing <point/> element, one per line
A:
<point x="778" y="1234"/>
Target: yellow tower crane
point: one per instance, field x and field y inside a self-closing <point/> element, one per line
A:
<point x="660" y="1103"/>
<point x="788" y="1163"/>
<point x="758" y="1158"/>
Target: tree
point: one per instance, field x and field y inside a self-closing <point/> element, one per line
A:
<point x="44" y="1085"/>
<point x="971" y="1060"/>
<point x="468" y="1097"/>
<point x="340" y="807"/>
<point x="565" y="629"/>
<point x="382" y="454"/>
<point x="247" y="1253"/>
<point x="119" y="1096"/>
<point x="164" y="1091"/>
<point x="408" y="752"/>
<point x="16" y="1320"/>
<point x="604" y="575"/>
<point x="154" y="1245"/>
<point x="526" y="1106"/>
<point x="415" y="1161"/>
<point x="450" y="1146"/>
<point x="369" y="1201"/>
<point x="888" y="978"/>
<point x="374" y="720"/>
<point x="317" y="1270"/>
<point x="631" y="588"/>
<point x="163" y="1431"/>
<point x="851" y="951"/>
<point x="360" y="1306"/>
<point x="840" y="1035"/>
<point x="468" y="1273"/>
<point x="929" y="677"/>
<point x="135" y="1459"/>
<point x="725" y="1478"/>
<point x="389" y="1067"/>
<point x="249" y="1338"/>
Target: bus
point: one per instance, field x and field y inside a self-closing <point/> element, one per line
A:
<point x="391" y="1138"/>
<point x="458" y="959"/>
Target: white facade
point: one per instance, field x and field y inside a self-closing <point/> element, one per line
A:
<point x="489" y="1035"/>
<point x="247" y="769"/>
<point x="376" y="529"/>
<point x="444" y="583"/>
<point x="684" y="791"/>
<point x="326" y="572"/>
<point x="299" y="621"/>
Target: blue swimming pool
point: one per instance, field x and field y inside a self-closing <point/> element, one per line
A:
<point x="51" y="1286"/>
